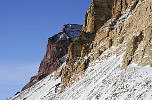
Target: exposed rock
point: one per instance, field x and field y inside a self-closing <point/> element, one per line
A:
<point x="119" y="40"/>
<point x="17" y="93"/>
<point x="121" y="31"/>
<point x="111" y="28"/>
<point x="57" y="48"/>
<point x="110" y="42"/>
<point x="99" y="12"/>
<point x="138" y="25"/>
<point x="81" y="45"/>
<point x="130" y="50"/>
<point x="120" y="6"/>
<point x="143" y="55"/>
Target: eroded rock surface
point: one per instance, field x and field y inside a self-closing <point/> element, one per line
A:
<point x="123" y="24"/>
<point x="57" y="48"/>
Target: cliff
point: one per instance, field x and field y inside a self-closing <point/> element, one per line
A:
<point x="124" y="24"/>
<point x="55" y="55"/>
<point x="111" y="59"/>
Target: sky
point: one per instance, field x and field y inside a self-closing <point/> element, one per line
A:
<point x="25" y="26"/>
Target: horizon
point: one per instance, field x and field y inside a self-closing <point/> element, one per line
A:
<point x="24" y="31"/>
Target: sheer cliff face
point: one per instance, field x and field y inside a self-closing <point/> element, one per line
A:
<point x="120" y="6"/>
<point x="124" y="24"/>
<point x="102" y="10"/>
<point x="57" y="48"/>
<point x="98" y="13"/>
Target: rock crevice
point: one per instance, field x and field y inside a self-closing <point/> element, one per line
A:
<point x="111" y="23"/>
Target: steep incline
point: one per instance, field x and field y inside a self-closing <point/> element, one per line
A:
<point x="57" y="48"/>
<point x="111" y="58"/>
<point x="103" y="79"/>
<point x="107" y="80"/>
<point x="130" y="26"/>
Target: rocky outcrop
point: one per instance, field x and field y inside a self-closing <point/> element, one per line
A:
<point x="143" y="54"/>
<point x="57" y="48"/>
<point x="131" y="48"/>
<point x="120" y="6"/>
<point x="130" y="33"/>
<point x="124" y="24"/>
<point x="121" y="28"/>
<point x="99" y="12"/>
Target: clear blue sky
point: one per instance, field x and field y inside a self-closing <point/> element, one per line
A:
<point x="25" y="26"/>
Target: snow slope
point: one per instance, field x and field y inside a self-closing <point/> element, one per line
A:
<point x="42" y="90"/>
<point x="103" y="80"/>
<point x="107" y="80"/>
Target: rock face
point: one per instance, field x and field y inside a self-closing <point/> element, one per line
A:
<point x="108" y="24"/>
<point x="120" y="6"/>
<point x="99" y="12"/>
<point x="124" y="24"/>
<point x="131" y="30"/>
<point x="57" y="48"/>
<point x="131" y="48"/>
<point x="117" y="30"/>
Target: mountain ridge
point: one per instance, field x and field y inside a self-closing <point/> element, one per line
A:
<point x="113" y="51"/>
<point x="57" y="47"/>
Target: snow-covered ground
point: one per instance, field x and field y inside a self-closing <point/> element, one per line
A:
<point x="43" y="90"/>
<point x="103" y="80"/>
<point x="107" y="80"/>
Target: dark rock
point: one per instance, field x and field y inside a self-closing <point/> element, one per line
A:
<point x="57" y="47"/>
<point x="17" y="93"/>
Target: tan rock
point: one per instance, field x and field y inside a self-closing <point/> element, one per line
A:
<point x="130" y="27"/>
